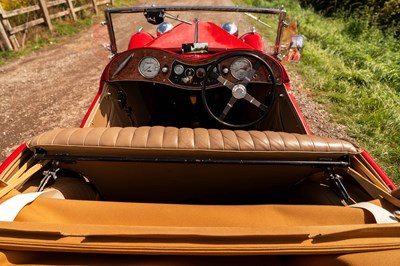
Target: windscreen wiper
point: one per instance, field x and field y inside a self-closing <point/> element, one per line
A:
<point x="122" y="65"/>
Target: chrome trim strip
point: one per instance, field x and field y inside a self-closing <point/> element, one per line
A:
<point x="196" y="8"/>
<point x="138" y="9"/>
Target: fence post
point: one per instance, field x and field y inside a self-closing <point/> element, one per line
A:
<point x="72" y="10"/>
<point x="4" y="38"/>
<point x="45" y="10"/>
<point x="8" y="28"/>
<point x="3" y="33"/>
<point x="96" y="11"/>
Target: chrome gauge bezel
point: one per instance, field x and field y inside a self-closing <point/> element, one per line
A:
<point x="238" y="72"/>
<point x="145" y="65"/>
<point x="178" y="69"/>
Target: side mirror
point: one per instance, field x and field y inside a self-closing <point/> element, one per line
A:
<point x="295" y="48"/>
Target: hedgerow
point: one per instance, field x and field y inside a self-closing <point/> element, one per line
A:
<point x="352" y="68"/>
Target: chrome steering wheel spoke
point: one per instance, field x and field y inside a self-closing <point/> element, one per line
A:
<point x="255" y="102"/>
<point x="251" y="73"/>
<point x="226" y="82"/>
<point x="227" y="108"/>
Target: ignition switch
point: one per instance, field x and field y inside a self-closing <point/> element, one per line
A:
<point x="189" y="73"/>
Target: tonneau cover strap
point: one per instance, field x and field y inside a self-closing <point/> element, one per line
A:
<point x="11" y="207"/>
<point x="381" y="215"/>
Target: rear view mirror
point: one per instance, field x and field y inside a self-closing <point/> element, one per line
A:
<point x="295" y="48"/>
<point x="155" y="17"/>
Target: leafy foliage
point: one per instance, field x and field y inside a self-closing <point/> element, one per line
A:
<point x="16" y="4"/>
<point x="382" y="13"/>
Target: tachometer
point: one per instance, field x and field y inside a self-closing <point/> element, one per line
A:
<point x="149" y="67"/>
<point x="240" y="68"/>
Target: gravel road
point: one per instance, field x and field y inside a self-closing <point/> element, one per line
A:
<point x="55" y="86"/>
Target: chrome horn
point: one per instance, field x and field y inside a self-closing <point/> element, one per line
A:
<point x="231" y="28"/>
<point x="163" y="28"/>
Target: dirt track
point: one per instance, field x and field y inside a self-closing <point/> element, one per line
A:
<point x="55" y="86"/>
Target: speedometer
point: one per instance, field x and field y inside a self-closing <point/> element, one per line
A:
<point x="149" y="67"/>
<point x="240" y="68"/>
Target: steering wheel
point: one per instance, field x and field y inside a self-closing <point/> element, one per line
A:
<point x="238" y="89"/>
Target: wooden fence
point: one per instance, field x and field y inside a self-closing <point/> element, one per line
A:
<point x="8" y="39"/>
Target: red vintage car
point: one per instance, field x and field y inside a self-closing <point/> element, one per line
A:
<point x="194" y="151"/>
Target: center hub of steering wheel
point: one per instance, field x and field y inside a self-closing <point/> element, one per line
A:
<point x="239" y="91"/>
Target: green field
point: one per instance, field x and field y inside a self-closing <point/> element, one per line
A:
<point x="353" y="69"/>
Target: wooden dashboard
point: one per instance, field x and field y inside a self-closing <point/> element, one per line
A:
<point x="190" y="71"/>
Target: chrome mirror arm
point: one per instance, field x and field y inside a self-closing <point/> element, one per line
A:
<point x="282" y="24"/>
<point x="177" y="18"/>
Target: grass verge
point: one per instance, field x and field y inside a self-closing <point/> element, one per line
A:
<point x="354" y="71"/>
<point x="44" y="38"/>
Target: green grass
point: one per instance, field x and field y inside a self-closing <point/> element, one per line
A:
<point x="67" y="28"/>
<point x="37" y="43"/>
<point x="355" y="72"/>
<point x="43" y="38"/>
<point x="124" y="3"/>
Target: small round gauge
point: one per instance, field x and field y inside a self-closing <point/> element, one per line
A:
<point x="189" y="72"/>
<point x="201" y="72"/>
<point x="240" y="68"/>
<point x="178" y="69"/>
<point x="149" y="67"/>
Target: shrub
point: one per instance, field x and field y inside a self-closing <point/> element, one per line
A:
<point x="383" y="13"/>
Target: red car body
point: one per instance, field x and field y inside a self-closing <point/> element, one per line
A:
<point x="194" y="151"/>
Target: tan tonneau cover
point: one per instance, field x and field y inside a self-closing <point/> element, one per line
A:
<point x="171" y="141"/>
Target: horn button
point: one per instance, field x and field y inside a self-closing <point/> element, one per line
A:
<point x="239" y="91"/>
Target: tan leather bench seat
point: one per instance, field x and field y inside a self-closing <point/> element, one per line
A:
<point x="171" y="141"/>
<point x="171" y="165"/>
